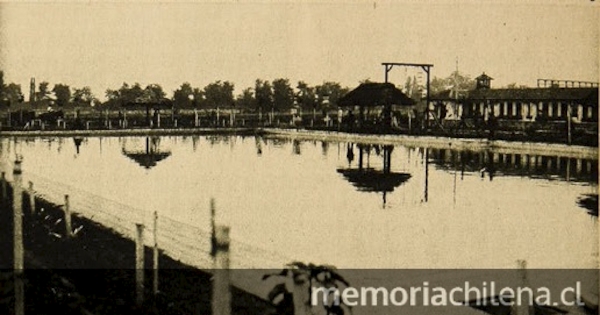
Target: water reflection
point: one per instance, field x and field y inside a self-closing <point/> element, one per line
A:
<point x="77" y="141"/>
<point x="529" y="207"/>
<point x="590" y="203"/>
<point x="148" y="157"/>
<point x="369" y="179"/>
<point x="296" y="147"/>
<point x="324" y="148"/>
<point x="514" y="164"/>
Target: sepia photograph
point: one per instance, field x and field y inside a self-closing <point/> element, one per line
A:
<point x="299" y="157"/>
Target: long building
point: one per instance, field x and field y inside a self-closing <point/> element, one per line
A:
<point x="540" y="104"/>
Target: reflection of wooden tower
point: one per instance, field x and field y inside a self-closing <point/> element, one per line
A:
<point x="32" y="90"/>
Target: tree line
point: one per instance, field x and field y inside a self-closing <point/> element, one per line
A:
<point x="277" y="95"/>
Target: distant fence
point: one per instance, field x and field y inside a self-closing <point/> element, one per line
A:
<point x="181" y="241"/>
<point x="585" y="133"/>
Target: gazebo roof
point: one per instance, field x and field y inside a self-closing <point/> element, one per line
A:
<point x="375" y="94"/>
<point x="147" y="160"/>
<point x="368" y="179"/>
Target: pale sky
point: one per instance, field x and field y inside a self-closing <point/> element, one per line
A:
<point x="103" y="44"/>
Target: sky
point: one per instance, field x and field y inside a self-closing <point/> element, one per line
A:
<point x="103" y="44"/>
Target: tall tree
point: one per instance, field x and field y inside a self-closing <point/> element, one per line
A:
<point x="246" y="99"/>
<point x="43" y="90"/>
<point x="283" y="94"/>
<point x="83" y="96"/>
<point x="306" y="96"/>
<point x="329" y="93"/>
<point x="264" y="94"/>
<point x="437" y="85"/>
<point x="153" y="93"/>
<point x="460" y="84"/>
<point x="183" y="97"/>
<point x="1" y="81"/>
<point x="219" y="94"/>
<point x="130" y="94"/>
<point x="12" y="93"/>
<point x="62" y="93"/>
<point x="457" y="83"/>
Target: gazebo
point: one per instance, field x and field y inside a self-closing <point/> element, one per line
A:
<point x="381" y="98"/>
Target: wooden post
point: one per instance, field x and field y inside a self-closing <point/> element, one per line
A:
<point x="31" y="198"/>
<point x="569" y="108"/>
<point x="213" y="238"/>
<point x="195" y="117"/>
<point x="221" y="293"/>
<point x="18" y="218"/>
<point x="521" y="307"/>
<point x="4" y="191"/>
<point x="139" y="264"/>
<point x="155" y="256"/>
<point x="68" y="228"/>
<point x="18" y="259"/>
<point x="426" y="192"/>
<point x="568" y="170"/>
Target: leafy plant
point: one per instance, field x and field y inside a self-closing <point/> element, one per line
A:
<point x="317" y="275"/>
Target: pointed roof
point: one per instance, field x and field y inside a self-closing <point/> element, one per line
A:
<point x="375" y="94"/>
<point x="368" y="179"/>
<point x="147" y="160"/>
<point x="484" y="77"/>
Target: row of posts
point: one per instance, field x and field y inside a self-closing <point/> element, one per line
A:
<point x="221" y="293"/>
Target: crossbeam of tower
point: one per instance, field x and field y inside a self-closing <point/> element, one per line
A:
<point x="426" y="68"/>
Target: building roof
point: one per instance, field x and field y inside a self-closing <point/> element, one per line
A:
<point x="484" y="77"/>
<point x="585" y="95"/>
<point x="375" y="94"/>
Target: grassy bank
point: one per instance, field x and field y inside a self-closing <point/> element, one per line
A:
<point x="93" y="272"/>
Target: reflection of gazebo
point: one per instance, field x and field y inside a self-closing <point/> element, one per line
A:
<point x="370" y="180"/>
<point x="149" y="157"/>
<point x="382" y="97"/>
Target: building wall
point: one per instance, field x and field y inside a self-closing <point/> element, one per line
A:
<point x="527" y="111"/>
